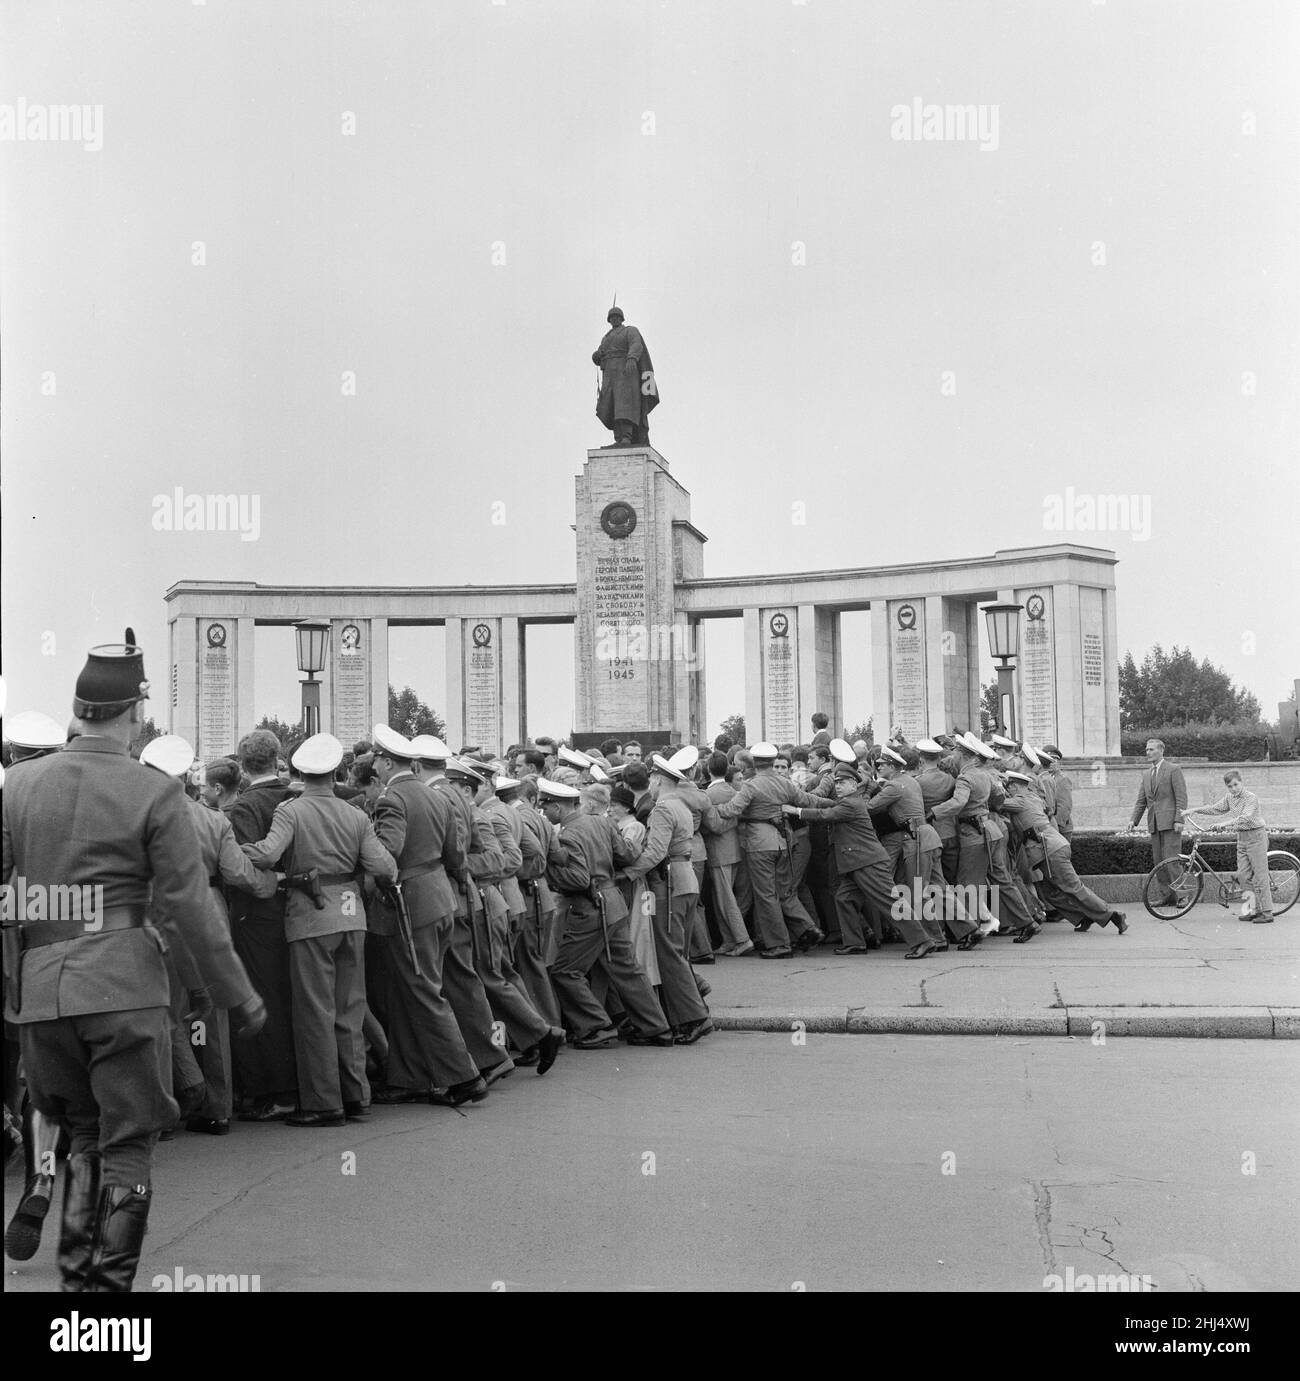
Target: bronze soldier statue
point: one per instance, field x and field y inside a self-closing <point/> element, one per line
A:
<point x="628" y="390"/>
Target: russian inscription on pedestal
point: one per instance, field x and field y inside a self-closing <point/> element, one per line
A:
<point x="780" y="676"/>
<point x="1037" y="668"/>
<point x="907" y="686"/>
<point x="216" y="736"/>
<point x="483" y="684"/>
<point x="351" y="717"/>
<point x="619" y="608"/>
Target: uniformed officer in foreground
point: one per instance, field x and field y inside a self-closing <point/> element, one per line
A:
<point x="591" y="919"/>
<point x="87" y="985"/>
<point x="29" y="736"/>
<point x="325" y="843"/>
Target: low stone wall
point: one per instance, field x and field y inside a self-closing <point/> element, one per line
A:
<point x="1106" y="788"/>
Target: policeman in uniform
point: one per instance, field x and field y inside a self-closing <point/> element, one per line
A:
<point x="418" y="827"/>
<point x="665" y="862"/>
<point x="591" y="919"/>
<point x="226" y="866"/>
<point x="969" y="807"/>
<point x="29" y="736"/>
<point x="89" y="993"/>
<point x="461" y="981"/>
<point x="325" y="843"/>
<point x="779" y="915"/>
<point x="936" y="786"/>
<point x="1064" y="787"/>
<point x="534" y="945"/>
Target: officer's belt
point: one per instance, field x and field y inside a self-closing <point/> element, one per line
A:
<point x="216" y="880"/>
<point x="335" y="879"/>
<point x="420" y="870"/>
<point x="112" y="918"/>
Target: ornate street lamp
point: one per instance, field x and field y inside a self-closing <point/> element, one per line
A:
<point x="313" y="644"/>
<point x="1004" y="644"/>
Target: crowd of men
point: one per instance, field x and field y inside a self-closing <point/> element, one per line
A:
<point x="298" y="940"/>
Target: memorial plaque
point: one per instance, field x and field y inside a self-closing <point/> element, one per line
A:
<point x="907" y="684"/>
<point x="619" y="608"/>
<point x="351" y="718"/>
<point x="482" y="661"/>
<point x="1037" y="668"/>
<point x="216" y="736"/>
<point x="780" y="675"/>
<point x="1092" y="663"/>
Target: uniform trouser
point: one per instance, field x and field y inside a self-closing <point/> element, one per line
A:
<point x="935" y="886"/>
<point x="329" y="1005"/>
<point x="214" y="1060"/>
<point x="1252" y="868"/>
<point x="425" y="1047"/>
<point x="581" y="944"/>
<point x="1014" y="912"/>
<point x="533" y="943"/>
<point x="948" y="859"/>
<point x="697" y="932"/>
<point x="800" y="858"/>
<point x="107" y="1078"/>
<point x="677" y="989"/>
<point x="464" y="990"/>
<point x="778" y="914"/>
<point x="503" y="986"/>
<point x="973" y="870"/>
<point x="869" y="888"/>
<point x="1029" y="888"/>
<point x="186" y="1073"/>
<point x="725" y="908"/>
<point x="265" y="1063"/>
<point x="916" y="925"/>
<point x="1064" y="890"/>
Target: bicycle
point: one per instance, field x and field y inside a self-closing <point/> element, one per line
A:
<point x="1174" y="886"/>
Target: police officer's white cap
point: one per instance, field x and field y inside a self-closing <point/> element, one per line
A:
<point x="598" y="773"/>
<point x="557" y="791"/>
<point x="659" y="763"/>
<point x="1031" y="756"/>
<point x="429" y="748"/>
<point x="32" y="729"/>
<point x="503" y="786"/>
<point x="392" y="743"/>
<point x="685" y="760"/>
<point x="1001" y="741"/>
<point x="888" y="752"/>
<point x="170" y="754"/>
<point x="842" y="750"/>
<point x="317" y="755"/>
<point x="981" y="750"/>
<point x="1017" y="777"/>
<point x="573" y="757"/>
<point x="763" y="752"/>
<point x="927" y="745"/>
<point x="466" y="770"/>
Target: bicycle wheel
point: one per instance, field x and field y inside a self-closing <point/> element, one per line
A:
<point x="1171" y="889"/>
<point x="1284" y="879"/>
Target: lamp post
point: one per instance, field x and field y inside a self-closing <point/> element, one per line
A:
<point x="1004" y="644"/>
<point x="313" y="643"/>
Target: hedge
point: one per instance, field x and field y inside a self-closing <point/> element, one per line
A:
<point x="1217" y="742"/>
<point x="1101" y="852"/>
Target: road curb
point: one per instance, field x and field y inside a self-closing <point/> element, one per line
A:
<point x="1208" y="1023"/>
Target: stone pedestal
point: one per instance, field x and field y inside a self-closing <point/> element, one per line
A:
<point x="638" y="661"/>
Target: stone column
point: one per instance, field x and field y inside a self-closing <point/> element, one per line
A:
<point x="245" y="710"/>
<point x="1067" y="639"/>
<point x="880" y="706"/>
<point x="512" y="684"/>
<point x="829" y="681"/>
<point x="378" y="674"/>
<point x="1111" y="672"/>
<point x="753" y="675"/>
<point x="455" y="713"/>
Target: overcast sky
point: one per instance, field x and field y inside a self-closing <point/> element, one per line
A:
<point x="1109" y="275"/>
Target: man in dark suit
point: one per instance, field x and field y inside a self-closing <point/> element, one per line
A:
<point x="266" y="1071"/>
<point x="1162" y="797"/>
<point x="85" y="979"/>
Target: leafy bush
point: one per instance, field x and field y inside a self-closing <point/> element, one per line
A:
<point x="1217" y="742"/>
<point x="1096" y="851"/>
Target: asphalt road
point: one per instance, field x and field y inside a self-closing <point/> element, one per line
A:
<point x="852" y="1162"/>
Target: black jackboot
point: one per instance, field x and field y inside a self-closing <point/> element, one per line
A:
<point x="23" y="1235"/>
<point x="77" y="1232"/>
<point x="120" y="1223"/>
